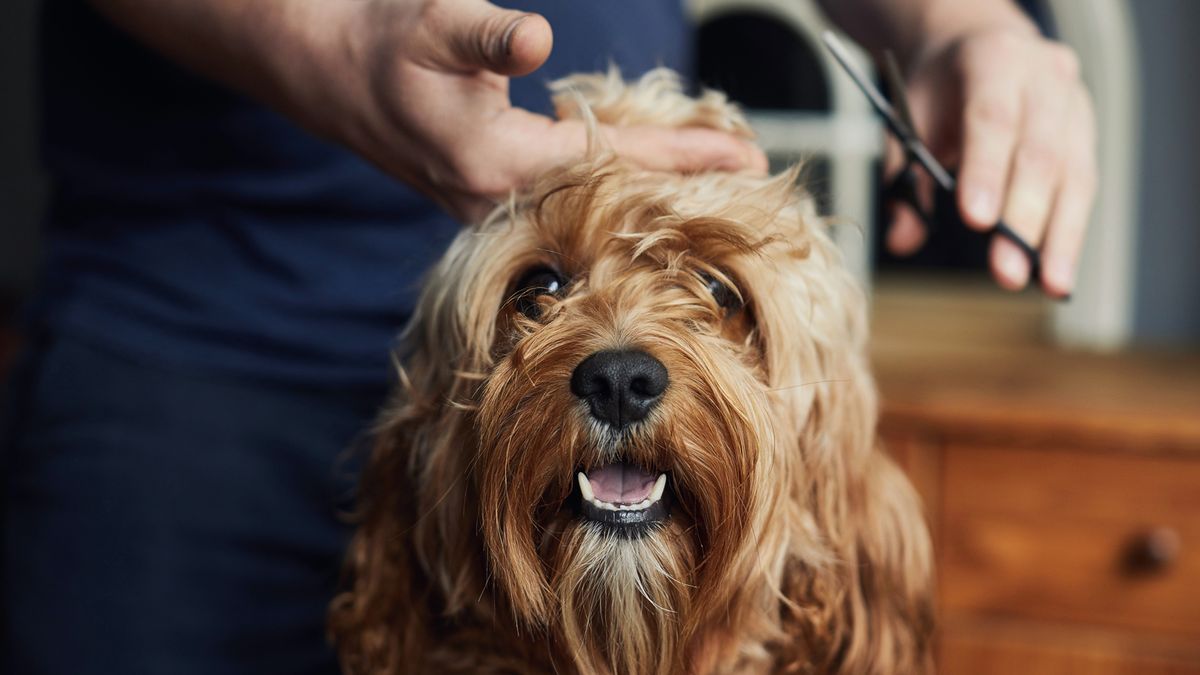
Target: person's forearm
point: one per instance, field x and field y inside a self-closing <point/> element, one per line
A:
<point x="287" y="54"/>
<point x="912" y="27"/>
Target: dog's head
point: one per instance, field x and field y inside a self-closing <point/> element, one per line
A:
<point x="632" y="406"/>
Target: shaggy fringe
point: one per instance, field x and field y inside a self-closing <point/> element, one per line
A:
<point x="795" y="545"/>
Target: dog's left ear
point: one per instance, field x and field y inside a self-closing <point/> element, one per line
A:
<point x="889" y="575"/>
<point x="862" y="586"/>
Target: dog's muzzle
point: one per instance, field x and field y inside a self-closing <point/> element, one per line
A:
<point x="623" y="496"/>
<point x="620" y="388"/>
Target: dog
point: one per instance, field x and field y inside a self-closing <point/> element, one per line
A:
<point x="635" y="435"/>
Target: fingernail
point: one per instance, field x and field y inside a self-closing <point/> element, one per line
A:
<point x="759" y="160"/>
<point x="1059" y="274"/>
<point x="1013" y="265"/>
<point x="981" y="206"/>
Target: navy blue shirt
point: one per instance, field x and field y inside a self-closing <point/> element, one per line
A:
<point x="191" y="226"/>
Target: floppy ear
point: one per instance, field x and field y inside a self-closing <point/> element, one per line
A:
<point x="859" y="581"/>
<point x="414" y="558"/>
<point x="379" y="620"/>
<point x="890" y="576"/>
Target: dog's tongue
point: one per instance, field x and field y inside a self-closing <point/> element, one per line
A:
<point x="621" y="483"/>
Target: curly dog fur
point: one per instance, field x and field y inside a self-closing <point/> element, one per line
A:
<point x="792" y="544"/>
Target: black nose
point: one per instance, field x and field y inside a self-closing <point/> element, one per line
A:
<point x="620" y="387"/>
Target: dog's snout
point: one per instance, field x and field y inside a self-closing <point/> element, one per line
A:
<point x="620" y="386"/>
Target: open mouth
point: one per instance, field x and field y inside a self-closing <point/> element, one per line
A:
<point x="623" y="496"/>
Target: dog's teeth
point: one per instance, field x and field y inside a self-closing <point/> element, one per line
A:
<point x="585" y="487"/>
<point x="660" y="486"/>
<point x="656" y="493"/>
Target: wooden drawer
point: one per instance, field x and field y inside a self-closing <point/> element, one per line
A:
<point x="1055" y="535"/>
<point x="1053" y="650"/>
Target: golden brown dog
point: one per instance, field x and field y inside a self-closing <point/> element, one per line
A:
<point x="636" y="435"/>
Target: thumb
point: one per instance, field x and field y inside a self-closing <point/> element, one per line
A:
<point x="470" y="35"/>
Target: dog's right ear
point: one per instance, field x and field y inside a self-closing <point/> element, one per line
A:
<point x="448" y="345"/>
<point x="378" y="622"/>
<point x="413" y="560"/>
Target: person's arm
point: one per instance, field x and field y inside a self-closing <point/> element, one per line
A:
<point x="419" y="87"/>
<point x="1008" y="107"/>
<point x="911" y="27"/>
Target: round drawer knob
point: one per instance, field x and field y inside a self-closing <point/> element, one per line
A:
<point x="1152" y="551"/>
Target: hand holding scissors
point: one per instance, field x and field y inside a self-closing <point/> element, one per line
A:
<point x="904" y="188"/>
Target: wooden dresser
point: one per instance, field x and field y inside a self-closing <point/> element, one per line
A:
<point x="1063" y="492"/>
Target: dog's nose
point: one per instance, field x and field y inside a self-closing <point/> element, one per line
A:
<point x="620" y="386"/>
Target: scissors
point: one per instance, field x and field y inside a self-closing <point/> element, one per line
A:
<point x="898" y="118"/>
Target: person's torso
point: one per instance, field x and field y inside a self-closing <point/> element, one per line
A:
<point x="193" y="226"/>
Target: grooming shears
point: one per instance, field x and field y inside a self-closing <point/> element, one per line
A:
<point x="898" y="118"/>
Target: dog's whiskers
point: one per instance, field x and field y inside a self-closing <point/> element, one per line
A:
<point x="812" y="383"/>
<point x="463" y="406"/>
<point x="469" y="375"/>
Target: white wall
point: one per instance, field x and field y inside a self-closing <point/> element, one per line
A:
<point x="1167" y="299"/>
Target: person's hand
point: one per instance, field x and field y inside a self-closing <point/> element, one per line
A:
<point x="430" y="105"/>
<point x="1008" y="107"/>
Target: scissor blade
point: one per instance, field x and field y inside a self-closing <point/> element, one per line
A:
<point x="895" y="82"/>
<point x="860" y="78"/>
<point x="897" y="126"/>
<point x="902" y="128"/>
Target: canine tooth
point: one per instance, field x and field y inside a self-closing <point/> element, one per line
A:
<point x="660" y="486"/>
<point x="585" y="487"/>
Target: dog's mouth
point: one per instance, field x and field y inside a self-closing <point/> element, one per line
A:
<point x="623" y="496"/>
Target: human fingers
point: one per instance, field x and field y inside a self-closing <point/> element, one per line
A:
<point x="522" y="145"/>
<point x="906" y="233"/>
<point x="992" y="85"/>
<point x="685" y="149"/>
<point x="1065" y="234"/>
<point x="1037" y="168"/>
<point x="471" y="35"/>
<point x="532" y="144"/>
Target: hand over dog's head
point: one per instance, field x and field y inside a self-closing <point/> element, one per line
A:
<point x="634" y="435"/>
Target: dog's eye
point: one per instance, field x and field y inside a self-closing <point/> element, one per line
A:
<point x="723" y="294"/>
<point x="536" y="283"/>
